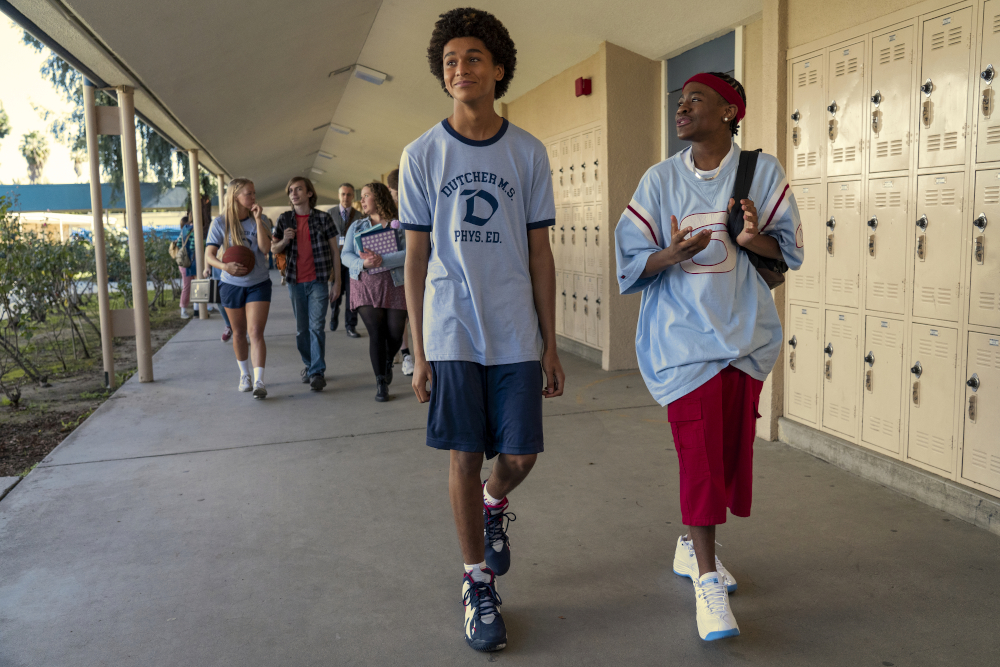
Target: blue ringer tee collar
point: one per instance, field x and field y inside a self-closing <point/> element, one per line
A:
<point x="472" y="142"/>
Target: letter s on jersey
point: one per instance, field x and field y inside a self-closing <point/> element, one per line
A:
<point x="720" y="255"/>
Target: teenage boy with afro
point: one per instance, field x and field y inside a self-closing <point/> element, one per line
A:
<point x="475" y="200"/>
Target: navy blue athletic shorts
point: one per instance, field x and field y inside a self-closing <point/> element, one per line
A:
<point x="236" y="297"/>
<point x="491" y="409"/>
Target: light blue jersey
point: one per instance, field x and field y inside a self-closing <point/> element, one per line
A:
<point x="259" y="274"/>
<point x="713" y="310"/>
<point x="478" y="199"/>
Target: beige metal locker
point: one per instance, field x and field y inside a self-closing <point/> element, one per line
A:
<point x="554" y="168"/>
<point x="843" y="244"/>
<point x="590" y="309"/>
<point x="598" y="173"/>
<point x="981" y="455"/>
<point x="579" y="309"/>
<point x="882" y="383"/>
<point x="598" y="314"/>
<point x="807" y="131"/>
<point x="560" y="302"/>
<point x="931" y="395"/>
<point x="802" y="361"/>
<point x="885" y="244"/>
<point x="840" y="372"/>
<point x="984" y="292"/>
<point x="944" y="87"/>
<point x="569" y="305"/>
<point x="938" y="247"/>
<point x="806" y="283"/>
<point x="599" y="244"/>
<point x="575" y="171"/>
<point x="563" y="193"/>
<point x="575" y="240"/>
<point x="889" y="100"/>
<point x="559" y="248"/>
<point x="988" y="133"/>
<point x="590" y="254"/>
<point x="586" y="167"/>
<point x="845" y="143"/>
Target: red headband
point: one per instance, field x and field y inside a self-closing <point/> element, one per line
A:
<point x="727" y="92"/>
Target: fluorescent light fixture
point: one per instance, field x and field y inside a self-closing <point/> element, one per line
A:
<point x="317" y="170"/>
<point x="369" y="75"/>
<point x="325" y="155"/>
<point x="340" y="128"/>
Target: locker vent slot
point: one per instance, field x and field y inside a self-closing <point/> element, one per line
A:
<point x="883" y="339"/>
<point x="883" y="426"/>
<point x="844" y="154"/>
<point x="996" y="24"/>
<point x="838" y="330"/>
<point x="985" y="358"/>
<point x="940" y="296"/>
<point x="988" y="301"/>
<point x="955" y="36"/>
<point x="840" y="68"/>
<point x="806" y="159"/>
<point x="942" y="197"/>
<point x="842" y="413"/>
<point x="937" y="348"/>
<point x="884" y="290"/>
<point x="802" y="79"/>
<point x="804" y="281"/>
<point x="884" y="56"/>
<point x="900" y="51"/>
<point x="991" y="194"/>
<point x="841" y="286"/>
<point x="950" y="141"/>
<point x="933" y="143"/>
<point x="979" y="459"/>
<point x="937" y="41"/>
<point x="804" y="401"/>
<point x="891" y="199"/>
<point x="993" y="134"/>
<point x="852" y="65"/>
<point x="808" y="203"/>
<point x="847" y="201"/>
<point x="935" y="443"/>
<point x="894" y="148"/>
<point x="813" y="77"/>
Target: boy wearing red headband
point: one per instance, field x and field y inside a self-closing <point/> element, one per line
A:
<point x="708" y="331"/>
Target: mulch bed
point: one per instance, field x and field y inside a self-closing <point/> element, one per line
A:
<point x="25" y="443"/>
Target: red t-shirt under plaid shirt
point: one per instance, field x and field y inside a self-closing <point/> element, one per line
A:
<point x="306" y="268"/>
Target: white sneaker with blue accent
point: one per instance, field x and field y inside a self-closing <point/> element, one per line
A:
<point x="715" y="618"/>
<point x="686" y="564"/>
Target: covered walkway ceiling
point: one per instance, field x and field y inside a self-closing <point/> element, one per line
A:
<point x="247" y="82"/>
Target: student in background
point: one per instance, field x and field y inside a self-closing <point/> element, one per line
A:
<point x="392" y="180"/>
<point x="186" y="241"/>
<point x="379" y="297"/>
<point x="343" y="215"/>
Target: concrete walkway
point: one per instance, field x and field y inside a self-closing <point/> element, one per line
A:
<point x="186" y="524"/>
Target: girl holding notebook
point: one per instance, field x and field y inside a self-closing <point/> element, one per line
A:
<point x="374" y="253"/>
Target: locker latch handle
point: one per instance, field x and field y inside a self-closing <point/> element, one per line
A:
<point x="922" y="223"/>
<point x="927" y="87"/>
<point x="831" y="223"/>
<point x="796" y="115"/>
<point x="829" y="349"/>
<point x="877" y="98"/>
<point x="980" y="222"/>
<point x="973" y="382"/>
<point x="571" y="167"/>
<point x="832" y="108"/>
<point x="870" y="358"/>
<point x="979" y="250"/>
<point x="873" y="223"/>
<point x="917" y="369"/>
<point x="793" y="341"/>
<point x="560" y="170"/>
<point x="987" y="74"/>
<point x="972" y="409"/>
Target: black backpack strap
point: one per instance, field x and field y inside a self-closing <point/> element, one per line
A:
<point x="741" y="190"/>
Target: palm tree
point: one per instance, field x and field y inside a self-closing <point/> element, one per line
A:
<point x="35" y="150"/>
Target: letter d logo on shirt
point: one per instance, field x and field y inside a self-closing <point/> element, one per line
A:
<point x="470" y="207"/>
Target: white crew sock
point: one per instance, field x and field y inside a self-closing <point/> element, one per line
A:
<point x="244" y="367"/>
<point x="258" y="374"/>
<point x="477" y="572"/>
<point x="490" y="500"/>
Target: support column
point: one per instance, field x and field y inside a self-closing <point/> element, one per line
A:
<point x="774" y="79"/>
<point x="100" y="250"/>
<point x="199" y="234"/>
<point x="136" y="242"/>
<point x="222" y="192"/>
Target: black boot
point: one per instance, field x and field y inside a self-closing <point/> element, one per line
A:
<point x="388" y="372"/>
<point x="335" y="318"/>
<point x="382" y="389"/>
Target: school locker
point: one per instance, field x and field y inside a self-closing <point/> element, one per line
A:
<point x="802" y="361"/>
<point x="944" y="88"/>
<point x="575" y="171"/>
<point x="579" y="311"/>
<point x="806" y="283"/>
<point x="842" y="244"/>
<point x="592" y="255"/>
<point x="984" y="292"/>
<point x="882" y="383"/>
<point x="554" y="168"/>
<point x="563" y="194"/>
<point x="553" y="240"/>
<point x="590" y="310"/>
<point x="599" y="244"/>
<point x="596" y="166"/>
<point x="576" y="239"/>
<point x="560" y="302"/>
<point x="840" y="364"/>
<point x="569" y="305"/>
<point x="586" y="170"/>
<point x="598" y="314"/>
<point x="988" y="134"/>
<point x="806" y="130"/>
<point x="885" y="245"/>
<point x="558" y="234"/>
<point x="981" y="455"/>
<point x="846" y="74"/>
<point x="938" y="247"/>
<point x="932" y="390"/>
<point x="889" y="100"/>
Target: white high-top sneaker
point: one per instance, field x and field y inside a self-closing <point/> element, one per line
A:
<point x="715" y="618"/>
<point x="686" y="564"/>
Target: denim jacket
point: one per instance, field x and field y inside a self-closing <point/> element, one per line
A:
<point x="350" y="258"/>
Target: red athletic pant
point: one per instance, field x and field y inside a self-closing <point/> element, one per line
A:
<point x="714" y="428"/>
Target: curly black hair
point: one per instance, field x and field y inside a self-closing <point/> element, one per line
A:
<point x="470" y="22"/>
<point x="738" y="87"/>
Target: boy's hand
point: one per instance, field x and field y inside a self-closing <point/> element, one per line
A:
<point x="750" y="229"/>
<point x="421" y="378"/>
<point x="681" y="249"/>
<point x="554" y="376"/>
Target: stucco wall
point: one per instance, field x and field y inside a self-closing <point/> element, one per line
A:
<point x="750" y="129"/>
<point x="813" y="19"/>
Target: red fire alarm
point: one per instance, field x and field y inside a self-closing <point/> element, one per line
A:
<point x="582" y="86"/>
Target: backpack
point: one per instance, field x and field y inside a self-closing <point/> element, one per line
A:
<point x="178" y="251"/>
<point x="771" y="270"/>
